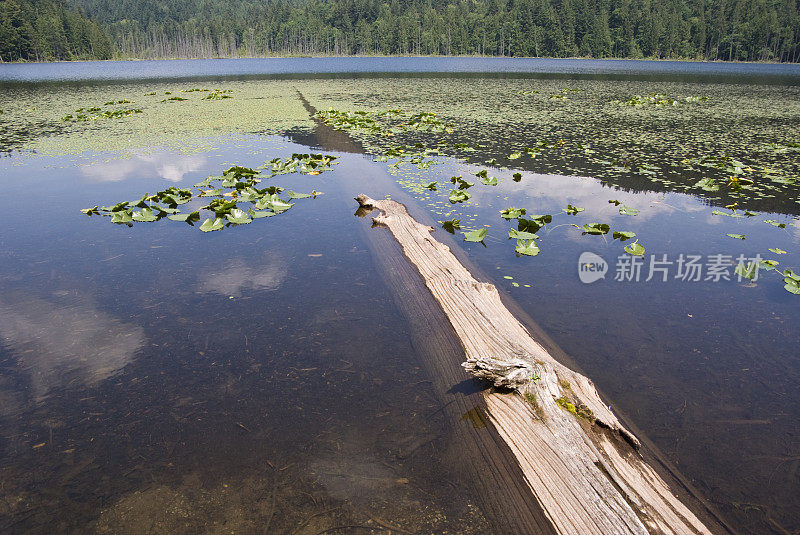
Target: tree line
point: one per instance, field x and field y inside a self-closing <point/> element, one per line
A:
<point x="47" y="30"/>
<point x="742" y="30"/>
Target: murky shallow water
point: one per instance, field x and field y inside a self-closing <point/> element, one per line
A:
<point x="161" y="377"/>
<point x="157" y="376"/>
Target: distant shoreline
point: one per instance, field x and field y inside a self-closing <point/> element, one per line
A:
<point x="377" y="56"/>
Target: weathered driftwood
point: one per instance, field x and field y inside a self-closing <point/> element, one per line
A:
<point x="562" y="434"/>
<point x="478" y="455"/>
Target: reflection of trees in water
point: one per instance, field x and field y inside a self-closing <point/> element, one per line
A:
<point x="58" y="343"/>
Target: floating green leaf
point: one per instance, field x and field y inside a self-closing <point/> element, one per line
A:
<point x="512" y="213"/>
<point x="277" y="205"/>
<point x="573" y="210"/>
<point x="257" y="214"/>
<point x="747" y="271"/>
<point x="490" y="181"/>
<point x="791" y="282"/>
<point x="475" y="235"/>
<point x="462" y="184"/>
<point x="521" y="235"/>
<point x="623" y="235"/>
<point x="627" y="210"/>
<point x="777" y="250"/>
<point x="431" y="186"/>
<point x="737" y="236"/>
<point x="458" y="195"/>
<point x="294" y="195"/>
<point x="527" y="247"/>
<point x="516" y="177"/>
<point x="707" y="184"/>
<point x="635" y="249"/>
<point x="595" y="228"/>
<point x="212" y="224"/>
<point x="238" y="216"/>
<point x="121" y="217"/>
<point x="451" y="225"/>
<point x="189" y="218"/>
<point x="144" y="215"/>
<point x="718" y="212"/>
<point x="534" y="223"/>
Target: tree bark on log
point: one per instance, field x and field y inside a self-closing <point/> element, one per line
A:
<point x="578" y="461"/>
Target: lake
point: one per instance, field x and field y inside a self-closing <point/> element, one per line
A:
<point x="266" y="376"/>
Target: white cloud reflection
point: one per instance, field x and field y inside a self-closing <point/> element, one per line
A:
<point x="61" y="343"/>
<point x="167" y="165"/>
<point x="235" y="277"/>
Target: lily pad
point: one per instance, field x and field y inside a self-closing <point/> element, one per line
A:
<point x="121" y="217"/>
<point x="527" y="247"/>
<point x="521" y="235"/>
<point x="237" y="216"/>
<point x="512" y="213"/>
<point x="189" y="218"/>
<point x="458" y="195"/>
<point x="635" y="249"/>
<point x="451" y="225"/>
<point x="295" y="195"/>
<point x="212" y="224"/>
<point x="623" y="235"/>
<point x="476" y="235"/>
<point x="747" y="271"/>
<point x="144" y="215"/>
<point x="707" y="184"/>
<point x="737" y="236"/>
<point x="595" y="228"/>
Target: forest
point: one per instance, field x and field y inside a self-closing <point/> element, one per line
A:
<point x="733" y="30"/>
<point x="49" y="30"/>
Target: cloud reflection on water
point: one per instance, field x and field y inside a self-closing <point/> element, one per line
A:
<point x="167" y="165"/>
<point x="235" y="276"/>
<point x="60" y="343"/>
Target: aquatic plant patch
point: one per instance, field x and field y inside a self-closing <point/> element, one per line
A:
<point x="235" y="196"/>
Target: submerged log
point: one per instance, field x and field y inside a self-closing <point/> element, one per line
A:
<point x="565" y="439"/>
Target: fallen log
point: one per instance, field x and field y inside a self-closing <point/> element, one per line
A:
<point x="579" y="462"/>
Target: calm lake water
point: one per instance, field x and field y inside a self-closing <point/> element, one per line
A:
<point x="157" y="378"/>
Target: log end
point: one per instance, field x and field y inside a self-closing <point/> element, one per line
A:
<point x="364" y="200"/>
<point x="510" y="373"/>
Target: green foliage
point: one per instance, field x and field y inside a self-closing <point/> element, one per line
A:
<point x="512" y="213"/>
<point x="451" y="225"/>
<point x="573" y="210"/>
<point x="595" y="228"/>
<point x="476" y="235"/>
<point x="635" y="249"/>
<point x="715" y="30"/>
<point x="228" y="207"/>
<point x="527" y="247"/>
<point x="46" y="30"/>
